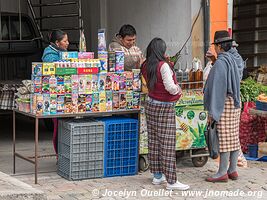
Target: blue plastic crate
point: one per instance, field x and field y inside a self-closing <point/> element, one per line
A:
<point x="261" y="105"/>
<point x="121" y="146"/>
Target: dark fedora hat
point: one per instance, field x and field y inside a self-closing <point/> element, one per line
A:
<point x="221" y="36"/>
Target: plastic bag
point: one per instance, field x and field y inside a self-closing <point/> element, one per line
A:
<point x="212" y="140"/>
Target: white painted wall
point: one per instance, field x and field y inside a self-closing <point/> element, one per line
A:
<point x="168" y="19"/>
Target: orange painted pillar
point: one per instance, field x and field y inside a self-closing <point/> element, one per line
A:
<point x="218" y="16"/>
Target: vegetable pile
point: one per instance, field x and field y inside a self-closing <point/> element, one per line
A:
<point x="250" y="90"/>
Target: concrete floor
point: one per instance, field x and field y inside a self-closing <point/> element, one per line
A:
<point x="24" y="145"/>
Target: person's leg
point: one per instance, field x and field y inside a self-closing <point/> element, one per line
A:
<point x="232" y="173"/>
<point x="55" y="137"/>
<point x="224" y="162"/>
<point x="153" y="142"/>
<point x="167" y="135"/>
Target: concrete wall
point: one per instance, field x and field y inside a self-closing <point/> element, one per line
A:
<point x="13" y="6"/>
<point x="169" y="19"/>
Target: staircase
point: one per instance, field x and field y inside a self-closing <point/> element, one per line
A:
<point x="58" y="14"/>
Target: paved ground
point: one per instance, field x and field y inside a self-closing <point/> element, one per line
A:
<point x="251" y="185"/>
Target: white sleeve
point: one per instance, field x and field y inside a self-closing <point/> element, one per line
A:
<point x="168" y="82"/>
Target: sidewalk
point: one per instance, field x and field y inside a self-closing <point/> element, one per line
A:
<point x="251" y="185"/>
<point x="11" y="188"/>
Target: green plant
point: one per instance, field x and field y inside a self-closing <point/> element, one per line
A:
<point x="250" y="90"/>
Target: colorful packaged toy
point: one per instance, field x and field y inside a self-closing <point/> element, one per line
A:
<point x="102" y="82"/>
<point x="129" y="100"/>
<point x="46" y="105"/>
<point x="37" y="69"/>
<point x="108" y="82"/>
<point x="122" y="81"/>
<point x="119" y="56"/>
<point x="53" y="104"/>
<point x="111" y="61"/>
<point x="101" y="40"/>
<point x="115" y="82"/>
<point x="129" y="80"/>
<point x="102" y="101"/>
<point x="95" y="106"/>
<point x="122" y="99"/>
<point x="116" y="101"/>
<point x="109" y="100"/>
<point x="136" y="80"/>
<point x="89" y="102"/>
<point x="94" y="82"/>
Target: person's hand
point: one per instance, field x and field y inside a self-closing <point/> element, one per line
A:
<point x="209" y="120"/>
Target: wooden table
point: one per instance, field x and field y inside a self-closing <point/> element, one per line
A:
<point x="34" y="159"/>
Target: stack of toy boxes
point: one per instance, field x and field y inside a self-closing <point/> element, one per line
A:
<point x="79" y="83"/>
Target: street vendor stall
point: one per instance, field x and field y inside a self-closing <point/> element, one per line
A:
<point x="191" y="122"/>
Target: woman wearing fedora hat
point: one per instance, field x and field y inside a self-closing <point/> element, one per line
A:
<point x="222" y="101"/>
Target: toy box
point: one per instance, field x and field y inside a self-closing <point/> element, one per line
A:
<point x="108" y="83"/>
<point x="116" y="101"/>
<point x="119" y="56"/>
<point x="102" y="40"/>
<point x="111" y="61"/>
<point x="82" y="103"/>
<point x="82" y="84"/>
<point x="102" y="82"/>
<point x="37" y="89"/>
<point x="103" y="57"/>
<point x="102" y="101"/>
<point x="129" y="100"/>
<point x="39" y="104"/>
<point x="75" y="102"/>
<point x="94" y="82"/>
<point x="75" y="83"/>
<point x="68" y="103"/>
<point x="115" y="82"/>
<point x="95" y="107"/>
<point x="60" y="103"/>
<point x="86" y="55"/>
<point x="136" y="100"/>
<point x="37" y="80"/>
<point x="109" y="100"/>
<point x="136" y="80"/>
<point x="88" y="86"/>
<point x="89" y="101"/>
<point x="49" y="68"/>
<point x="53" y="85"/>
<point x="129" y="80"/>
<point x="122" y="84"/>
<point x="37" y="69"/>
<point x="53" y="104"/>
<point x="67" y="55"/>
<point x="46" y="106"/>
<point x="122" y="99"/>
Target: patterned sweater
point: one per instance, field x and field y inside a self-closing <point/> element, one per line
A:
<point x="133" y="56"/>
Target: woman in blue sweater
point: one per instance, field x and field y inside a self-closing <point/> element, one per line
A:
<point x="58" y="42"/>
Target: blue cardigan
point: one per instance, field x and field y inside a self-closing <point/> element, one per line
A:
<point x="51" y="54"/>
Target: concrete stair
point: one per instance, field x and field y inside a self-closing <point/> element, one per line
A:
<point x="11" y="189"/>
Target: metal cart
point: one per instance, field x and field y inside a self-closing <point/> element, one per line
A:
<point x="191" y="122"/>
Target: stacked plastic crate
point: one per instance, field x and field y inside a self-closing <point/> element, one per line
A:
<point x="121" y="146"/>
<point x="80" y="149"/>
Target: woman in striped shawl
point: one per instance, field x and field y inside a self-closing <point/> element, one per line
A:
<point x="163" y="92"/>
<point x="222" y="101"/>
